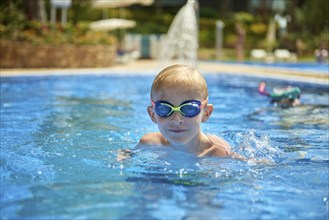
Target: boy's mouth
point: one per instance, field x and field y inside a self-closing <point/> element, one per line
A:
<point x="177" y="131"/>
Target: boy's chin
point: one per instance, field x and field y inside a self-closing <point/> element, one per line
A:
<point x="177" y="141"/>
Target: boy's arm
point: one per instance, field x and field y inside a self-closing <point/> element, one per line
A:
<point x="148" y="139"/>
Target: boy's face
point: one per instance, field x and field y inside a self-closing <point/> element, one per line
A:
<point x="176" y="128"/>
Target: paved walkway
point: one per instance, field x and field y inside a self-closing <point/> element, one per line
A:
<point x="153" y="67"/>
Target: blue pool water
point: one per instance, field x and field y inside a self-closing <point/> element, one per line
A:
<point x="315" y="68"/>
<point x="61" y="137"/>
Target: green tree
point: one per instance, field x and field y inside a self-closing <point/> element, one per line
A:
<point x="316" y="15"/>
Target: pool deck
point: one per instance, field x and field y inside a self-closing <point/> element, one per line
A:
<point x="143" y="67"/>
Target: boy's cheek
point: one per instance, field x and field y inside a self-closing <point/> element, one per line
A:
<point x="161" y="120"/>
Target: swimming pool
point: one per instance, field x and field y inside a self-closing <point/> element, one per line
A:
<point x="315" y="68"/>
<point x="60" y="137"/>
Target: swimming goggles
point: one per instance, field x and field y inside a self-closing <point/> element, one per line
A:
<point x="188" y="108"/>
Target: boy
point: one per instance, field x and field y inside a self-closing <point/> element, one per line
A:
<point x="179" y="97"/>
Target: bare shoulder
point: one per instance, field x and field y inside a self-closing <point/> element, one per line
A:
<point x="219" y="142"/>
<point x="219" y="148"/>
<point x="154" y="138"/>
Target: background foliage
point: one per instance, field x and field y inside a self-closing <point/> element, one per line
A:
<point x="309" y="24"/>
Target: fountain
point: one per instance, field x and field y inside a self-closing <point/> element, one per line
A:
<point x="181" y="42"/>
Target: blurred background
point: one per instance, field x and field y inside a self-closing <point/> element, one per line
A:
<point x="68" y="33"/>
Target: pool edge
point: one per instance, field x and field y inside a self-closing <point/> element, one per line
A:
<point x="152" y="67"/>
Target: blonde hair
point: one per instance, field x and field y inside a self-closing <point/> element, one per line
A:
<point x="179" y="76"/>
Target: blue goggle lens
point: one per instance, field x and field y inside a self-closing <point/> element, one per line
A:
<point x="188" y="108"/>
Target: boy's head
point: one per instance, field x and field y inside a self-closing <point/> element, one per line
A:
<point x="182" y="77"/>
<point x="179" y="103"/>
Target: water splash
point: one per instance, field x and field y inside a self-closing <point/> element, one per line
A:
<point x="181" y="42"/>
<point x="256" y="148"/>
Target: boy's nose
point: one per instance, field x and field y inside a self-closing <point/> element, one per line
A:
<point x="177" y="118"/>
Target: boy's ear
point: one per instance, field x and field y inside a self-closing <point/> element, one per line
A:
<point x="151" y="114"/>
<point x="207" y="112"/>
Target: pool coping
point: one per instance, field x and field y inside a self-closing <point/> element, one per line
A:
<point x="152" y="67"/>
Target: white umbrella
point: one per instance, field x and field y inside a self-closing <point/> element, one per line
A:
<point x="118" y="3"/>
<point x="112" y="24"/>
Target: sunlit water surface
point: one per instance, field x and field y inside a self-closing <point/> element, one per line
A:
<point x="60" y="138"/>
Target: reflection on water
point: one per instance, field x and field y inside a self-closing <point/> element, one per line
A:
<point x="90" y="113"/>
<point x="299" y="115"/>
